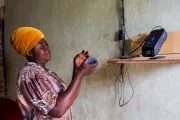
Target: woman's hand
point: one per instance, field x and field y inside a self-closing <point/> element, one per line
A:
<point x="80" y="58"/>
<point x="87" y="69"/>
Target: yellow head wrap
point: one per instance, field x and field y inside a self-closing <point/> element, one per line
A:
<point x="23" y="39"/>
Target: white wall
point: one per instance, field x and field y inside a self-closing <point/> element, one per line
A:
<point x="1" y="2"/>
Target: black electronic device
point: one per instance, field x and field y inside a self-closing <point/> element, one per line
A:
<point x="154" y="42"/>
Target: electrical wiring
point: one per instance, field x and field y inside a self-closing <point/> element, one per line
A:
<point x="121" y="85"/>
<point x="130" y="38"/>
<point x="121" y="75"/>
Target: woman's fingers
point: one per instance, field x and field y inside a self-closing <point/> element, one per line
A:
<point x="85" y="53"/>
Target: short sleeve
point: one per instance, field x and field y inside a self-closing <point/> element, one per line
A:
<point x="38" y="90"/>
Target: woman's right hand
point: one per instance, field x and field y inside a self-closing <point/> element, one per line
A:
<point x="87" y="69"/>
<point x="80" y="58"/>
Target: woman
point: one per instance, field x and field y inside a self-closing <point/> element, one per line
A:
<point x="41" y="94"/>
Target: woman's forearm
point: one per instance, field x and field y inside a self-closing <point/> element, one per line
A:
<point x="65" y="99"/>
<point x="75" y="71"/>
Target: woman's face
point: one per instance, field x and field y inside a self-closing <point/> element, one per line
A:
<point x="41" y="53"/>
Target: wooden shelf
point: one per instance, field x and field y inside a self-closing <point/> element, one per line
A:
<point x="174" y="58"/>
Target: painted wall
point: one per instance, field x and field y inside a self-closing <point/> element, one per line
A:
<point x="2" y="82"/>
<point x="73" y="25"/>
<point x="1" y="2"/>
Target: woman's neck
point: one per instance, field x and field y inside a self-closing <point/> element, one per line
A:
<point x="42" y="65"/>
<point x="38" y="63"/>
